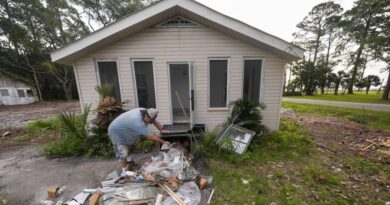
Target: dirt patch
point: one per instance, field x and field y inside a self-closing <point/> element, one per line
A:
<point x="343" y="145"/>
<point x="346" y="136"/>
<point x="25" y="174"/>
<point x="17" y="116"/>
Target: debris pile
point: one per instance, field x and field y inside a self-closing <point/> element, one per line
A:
<point x="379" y="145"/>
<point x="351" y="137"/>
<point x="166" y="179"/>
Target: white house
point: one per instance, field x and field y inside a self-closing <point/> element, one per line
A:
<point x="16" y="92"/>
<point x="181" y="49"/>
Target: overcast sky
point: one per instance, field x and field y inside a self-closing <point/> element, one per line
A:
<point x="277" y="17"/>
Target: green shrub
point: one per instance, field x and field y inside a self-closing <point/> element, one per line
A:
<point x="292" y="93"/>
<point x="76" y="137"/>
<point x="99" y="143"/>
<point x="46" y="126"/>
<point x="66" y="146"/>
<point x="73" y="140"/>
<point x="247" y="114"/>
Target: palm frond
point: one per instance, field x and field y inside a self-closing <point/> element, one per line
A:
<point x="105" y="90"/>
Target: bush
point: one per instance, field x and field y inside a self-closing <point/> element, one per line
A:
<point x="292" y="93"/>
<point x="77" y="138"/>
<point x="247" y="114"/>
<point x="46" y="126"/>
<point x="74" y="131"/>
<point x="65" y="146"/>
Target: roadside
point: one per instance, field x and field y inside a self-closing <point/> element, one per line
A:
<point x="354" y="105"/>
<point x="370" y="98"/>
<point x="376" y="119"/>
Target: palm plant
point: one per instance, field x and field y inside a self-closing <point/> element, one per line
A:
<point x="76" y="126"/>
<point x="247" y="114"/>
<point x="108" y="108"/>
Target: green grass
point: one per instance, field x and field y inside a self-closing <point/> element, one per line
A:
<point x="285" y="168"/>
<point x="376" y="119"/>
<point x="372" y="97"/>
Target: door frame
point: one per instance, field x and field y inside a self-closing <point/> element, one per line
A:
<point x="190" y="86"/>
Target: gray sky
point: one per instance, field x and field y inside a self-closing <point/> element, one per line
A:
<point x="277" y="17"/>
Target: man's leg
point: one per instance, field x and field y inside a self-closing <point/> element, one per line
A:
<point x="122" y="152"/>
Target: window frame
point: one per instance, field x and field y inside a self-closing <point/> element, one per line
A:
<point x="134" y="78"/>
<point x="32" y="93"/>
<point x="209" y="59"/>
<point x="263" y="59"/>
<point x="6" y="89"/>
<point x="97" y="60"/>
<point x="24" y="93"/>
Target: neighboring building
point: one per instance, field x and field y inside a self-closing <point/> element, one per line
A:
<point x="182" y="48"/>
<point x="16" y="91"/>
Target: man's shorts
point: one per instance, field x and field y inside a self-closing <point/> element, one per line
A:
<point x="122" y="152"/>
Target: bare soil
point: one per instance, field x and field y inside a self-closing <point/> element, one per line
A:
<point x="17" y="116"/>
<point x="345" y="136"/>
<point x="339" y="141"/>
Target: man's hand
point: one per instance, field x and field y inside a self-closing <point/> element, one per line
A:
<point x="166" y="142"/>
<point x="164" y="131"/>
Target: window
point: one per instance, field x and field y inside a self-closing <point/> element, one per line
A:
<point x="108" y="75"/>
<point x="252" y="78"/>
<point x="143" y="71"/>
<point x="30" y="93"/>
<point x="218" y="83"/>
<point x="4" y="92"/>
<point x="21" y="93"/>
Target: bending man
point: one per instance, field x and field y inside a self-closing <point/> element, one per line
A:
<point x="130" y="127"/>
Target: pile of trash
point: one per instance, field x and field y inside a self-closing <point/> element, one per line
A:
<point x="166" y="179"/>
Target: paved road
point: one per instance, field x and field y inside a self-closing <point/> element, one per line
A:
<point x="366" y="106"/>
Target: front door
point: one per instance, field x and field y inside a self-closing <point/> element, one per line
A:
<point x="181" y="92"/>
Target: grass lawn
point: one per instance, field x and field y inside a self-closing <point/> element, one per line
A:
<point x="377" y="119"/>
<point x="286" y="168"/>
<point x="372" y="97"/>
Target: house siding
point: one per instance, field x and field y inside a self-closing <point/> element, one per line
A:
<point x="197" y="45"/>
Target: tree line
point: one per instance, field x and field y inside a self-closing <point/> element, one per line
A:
<point x="29" y="30"/>
<point x="349" y="39"/>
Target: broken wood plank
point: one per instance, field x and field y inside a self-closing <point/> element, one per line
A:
<point x="370" y="141"/>
<point x="94" y="199"/>
<point x="367" y="147"/>
<point x="211" y="196"/>
<point x="169" y="178"/>
<point x="172" y="194"/>
<point x="52" y="191"/>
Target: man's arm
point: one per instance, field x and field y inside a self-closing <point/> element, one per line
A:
<point x="154" y="138"/>
<point x="159" y="127"/>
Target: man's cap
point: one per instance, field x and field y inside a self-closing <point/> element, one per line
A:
<point x="152" y="112"/>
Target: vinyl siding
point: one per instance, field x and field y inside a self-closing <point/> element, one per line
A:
<point x="165" y="45"/>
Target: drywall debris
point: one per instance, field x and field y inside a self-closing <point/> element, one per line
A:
<point x="81" y="197"/>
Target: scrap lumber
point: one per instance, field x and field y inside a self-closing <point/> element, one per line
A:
<point x="169" y="178"/>
<point x="94" y="199"/>
<point x="52" y="191"/>
<point x="133" y="201"/>
<point x="211" y="196"/>
<point x="202" y="183"/>
<point x="367" y="147"/>
<point x="172" y="194"/>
